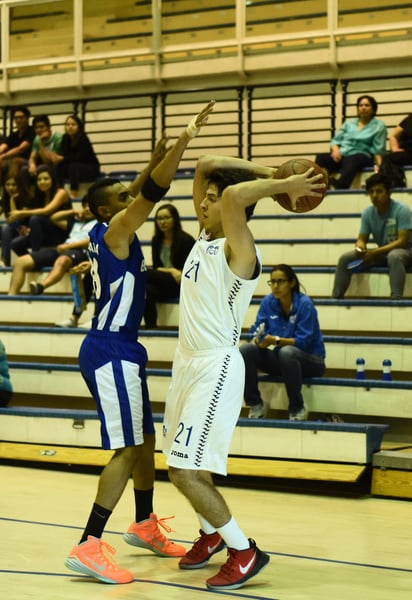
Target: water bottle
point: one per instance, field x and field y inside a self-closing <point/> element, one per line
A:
<point x="386" y="370"/>
<point x="259" y="333"/>
<point x="360" y="368"/>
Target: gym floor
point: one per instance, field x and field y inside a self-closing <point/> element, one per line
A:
<point x="321" y="546"/>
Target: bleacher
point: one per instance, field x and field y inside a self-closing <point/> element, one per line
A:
<point x="376" y="413"/>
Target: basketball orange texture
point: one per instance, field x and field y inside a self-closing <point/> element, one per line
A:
<point x="296" y="166"/>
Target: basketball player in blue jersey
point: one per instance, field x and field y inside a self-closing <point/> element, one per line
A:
<point x="206" y="392"/>
<point x="113" y="362"/>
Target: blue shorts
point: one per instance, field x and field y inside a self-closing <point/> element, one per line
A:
<point x="114" y="369"/>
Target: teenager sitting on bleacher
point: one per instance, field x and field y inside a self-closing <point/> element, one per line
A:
<point x="389" y="223"/>
<point x="287" y="341"/>
<point x="6" y="388"/>
<point x="16" y="147"/>
<point x="170" y="248"/>
<point x="45" y="148"/>
<point x="48" y="199"/>
<point x="62" y="258"/>
<point x="78" y="160"/>
<point x="15" y="197"/>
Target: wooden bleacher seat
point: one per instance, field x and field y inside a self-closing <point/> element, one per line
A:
<point x="324" y="395"/>
<point x="352" y="444"/>
<point x="46" y="342"/>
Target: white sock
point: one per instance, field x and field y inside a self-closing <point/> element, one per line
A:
<point x="233" y="535"/>
<point x="205" y="526"/>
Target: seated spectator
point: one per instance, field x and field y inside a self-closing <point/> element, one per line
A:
<point x="389" y="223"/>
<point x="15" y="197"/>
<point x="359" y="143"/>
<point x="17" y="146"/>
<point x="400" y="145"/>
<point x="170" y="248"/>
<point x="79" y="162"/>
<point x="6" y="388"/>
<point x="287" y="341"/>
<point x="48" y="199"/>
<point x="46" y="146"/>
<point x="62" y="258"/>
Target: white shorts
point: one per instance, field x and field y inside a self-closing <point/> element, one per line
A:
<point x="202" y="408"/>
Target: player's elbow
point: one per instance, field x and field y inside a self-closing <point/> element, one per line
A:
<point x="206" y="163"/>
<point x="231" y="198"/>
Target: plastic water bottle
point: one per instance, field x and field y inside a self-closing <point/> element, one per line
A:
<point x="360" y="368"/>
<point x="386" y="370"/>
<point x="259" y="333"/>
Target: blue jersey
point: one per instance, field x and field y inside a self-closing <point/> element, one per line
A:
<point x="119" y="285"/>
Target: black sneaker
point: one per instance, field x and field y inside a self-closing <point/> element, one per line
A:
<point x="36" y="288"/>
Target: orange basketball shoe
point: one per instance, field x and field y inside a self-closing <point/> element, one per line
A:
<point x="95" y="557"/>
<point x="147" y="534"/>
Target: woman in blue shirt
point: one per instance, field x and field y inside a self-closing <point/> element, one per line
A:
<point x="359" y="143"/>
<point x="287" y="341"/>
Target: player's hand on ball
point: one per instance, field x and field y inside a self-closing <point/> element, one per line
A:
<point x="305" y="184"/>
<point x="309" y="185"/>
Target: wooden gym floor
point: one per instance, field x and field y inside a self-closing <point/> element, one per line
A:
<point x="321" y="547"/>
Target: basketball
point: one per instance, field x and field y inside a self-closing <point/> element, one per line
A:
<point x="296" y="166"/>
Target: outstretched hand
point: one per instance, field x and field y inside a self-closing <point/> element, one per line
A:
<point x="160" y="150"/>
<point x="199" y="120"/>
<point x="305" y="185"/>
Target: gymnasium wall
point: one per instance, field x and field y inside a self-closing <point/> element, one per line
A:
<point x="285" y="74"/>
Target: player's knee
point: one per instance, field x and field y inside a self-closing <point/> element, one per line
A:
<point x="179" y="477"/>
<point x="128" y="455"/>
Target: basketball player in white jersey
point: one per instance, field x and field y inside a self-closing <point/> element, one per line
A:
<point x="205" y="396"/>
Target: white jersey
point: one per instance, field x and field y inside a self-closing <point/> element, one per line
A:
<point x="213" y="300"/>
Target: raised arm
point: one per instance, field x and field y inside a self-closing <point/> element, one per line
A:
<point x="154" y="187"/>
<point x="210" y="162"/>
<point x="240" y="247"/>
<point x="158" y="154"/>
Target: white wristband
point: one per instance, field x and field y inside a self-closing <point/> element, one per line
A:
<point x="192" y="130"/>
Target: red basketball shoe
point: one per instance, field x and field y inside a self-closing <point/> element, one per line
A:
<point x="203" y="549"/>
<point x="240" y="566"/>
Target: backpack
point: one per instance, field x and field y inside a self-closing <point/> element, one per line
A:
<point x="394" y="173"/>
